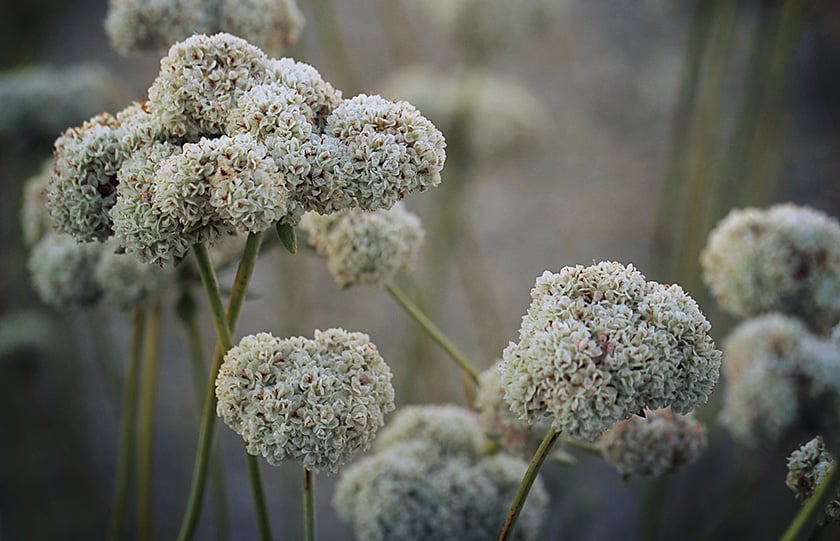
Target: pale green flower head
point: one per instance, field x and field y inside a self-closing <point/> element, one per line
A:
<point x="272" y="25"/>
<point x="63" y="271"/>
<point x="808" y="466"/>
<point x="135" y="26"/>
<point x="318" y="401"/>
<point x="320" y="96"/>
<point x="366" y="248"/>
<point x="452" y="429"/>
<point x="127" y="282"/>
<point x="785" y="258"/>
<point x="35" y="221"/>
<point x="601" y="343"/>
<point x="660" y="442"/>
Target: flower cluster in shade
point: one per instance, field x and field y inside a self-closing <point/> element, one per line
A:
<point x="135" y="26"/>
<point x="502" y="116"/>
<point x="657" y="443"/>
<point x="808" y="466"/>
<point x="232" y="141"/>
<point x="40" y="101"/>
<point x="431" y="479"/>
<point x="774" y="368"/>
<point x="317" y="401"/>
<point x="601" y="343"/>
<point x="785" y="258"/>
<point x="365" y="247"/>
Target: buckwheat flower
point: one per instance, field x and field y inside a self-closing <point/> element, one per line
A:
<point x="808" y="466"/>
<point x="273" y="25"/>
<point x="127" y="282"/>
<point x="452" y="429"/>
<point x="63" y="271"/>
<point x="657" y="443"/>
<point x="365" y="248"/>
<point x="600" y="343"/>
<point x="318" y="401"/>
<point x="135" y="26"/>
<point x="320" y="96"/>
<point x="782" y="259"/>
<point x="139" y="128"/>
<point x="200" y="81"/>
<point x="388" y="150"/>
<point x="35" y="219"/>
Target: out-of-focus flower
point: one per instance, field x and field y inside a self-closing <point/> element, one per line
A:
<point x="807" y="468"/>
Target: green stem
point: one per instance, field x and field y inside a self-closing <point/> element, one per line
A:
<point x="258" y="493"/>
<point x="433" y="331"/>
<point x="145" y="426"/>
<point x="127" y="430"/>
<point x="527" y="481"/>
<point x="801" y="527"/>
<point x="654" y="507"/>
<point x="308" y="506"/>
<point x="223" y="344"/>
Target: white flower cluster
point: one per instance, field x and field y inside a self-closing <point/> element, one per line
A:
<point x="232" y="142"/>
<point x="135" y="26"/>
<point x="657" y="443"/>
<point x="782" y="259"/>
<point x="807" y="468"/>
<point x="600" y="343"/>
<point x="318" y="401"/>
<point x="774" y="365"/>
<point x="365" y="248"/>
<point x="429" y="480"/>
<point x="35" y="220"/>
<point x="127" y="282"/>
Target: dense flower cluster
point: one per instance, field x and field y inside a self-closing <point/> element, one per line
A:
<point x="430" y="480"/>
<point x="231" y="142"/>
<point x="657" y="443"/>
<point x="365" y="248"/>
<point x="773" y="364"/>
<point x="782" y="259"/>
<point x="153" y="25"/>
<point x="318" y="401"/>
<point x="807" y="468"/>
<point x="600" y="343"/>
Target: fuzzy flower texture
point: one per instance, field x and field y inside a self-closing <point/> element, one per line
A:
<point x="231" y="142"/>
<point x="600" y="343"/>
<point x="318" y="401"/>
<point x="807" y="468"/>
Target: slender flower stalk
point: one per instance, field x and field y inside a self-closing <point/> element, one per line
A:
<point x="433" y="331"/>
<point x="543" y="451"/>
<point x="309" y="533"/>
<point x="258" y="492"/>
<point x="224" y="342"/>
<point x="127" y="430"/>
<point x="803" y="524"/>
<point x="145" y="425"/>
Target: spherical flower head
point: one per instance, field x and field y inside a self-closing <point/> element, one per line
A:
<point x="782" y="259"/>
<point x="659" y="442"/>
<point x="320" y="96"/>
<point x="127" y="282"/>
<point x="319" y="401"/>
<point x="201" y="80"/>
<point x="808" y="466"/>
<point x="136" y="26"/>
<point x="453" y="430"/>
<point x="388" y="150"/>
<point x="600" y="343"/>
<point x="273" y="25"/>
<point x="35" y="221"/>
<point x="63" y="271"/>
<point x="366" y="248"/>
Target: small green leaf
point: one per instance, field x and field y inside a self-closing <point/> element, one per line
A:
<point x="287" y="237"/>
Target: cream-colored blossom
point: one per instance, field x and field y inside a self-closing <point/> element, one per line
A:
<point x="35" y="219"/>
<point x="127" y="282"/>
<point x="63" y="271"/>
<point x="808" y="467"/>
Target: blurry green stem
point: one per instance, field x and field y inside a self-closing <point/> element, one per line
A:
<point x="309" y="533"/>
<point x="398" y="31"/>
<point x="128" y="430"/>
<point x="527" y="482"/>
<point x="258" y="493"/>
<point x="433" y="331"/>
<point x="801" y="527"/>
<point x="145" y="426"/>
<point x="653" y="507"/>
<point x="223" y="324"/>
<point x="328" y="28"/>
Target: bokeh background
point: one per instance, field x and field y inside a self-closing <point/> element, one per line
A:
<point x="656" y="118"/>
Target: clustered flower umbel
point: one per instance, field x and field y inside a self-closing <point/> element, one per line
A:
<point x="782" y="259"/>
<point x="774" y="366"/>
<point x="135" y="26"/>
<point x="807" y="468"/>
<point x="230" y="142"/>
<point x="431" y="479"/>
<point x="318" y="401"/>
<point x="657" y="443"/>
<point x="600" y="343"/>
<point x="365" y="248"/>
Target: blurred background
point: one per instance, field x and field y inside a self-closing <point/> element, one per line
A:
<point x="606" y="130"/>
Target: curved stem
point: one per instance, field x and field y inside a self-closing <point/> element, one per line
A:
<point x="308" y="505"/>
<point x="145" y="426"/>
<point x="527" y="482"/>
<point x="433" y="331"/>
<point x="128" y="434"/>
<point x="258" y="493"/>
<point x="224" y="343"/>
<point x="803" y="524"/>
